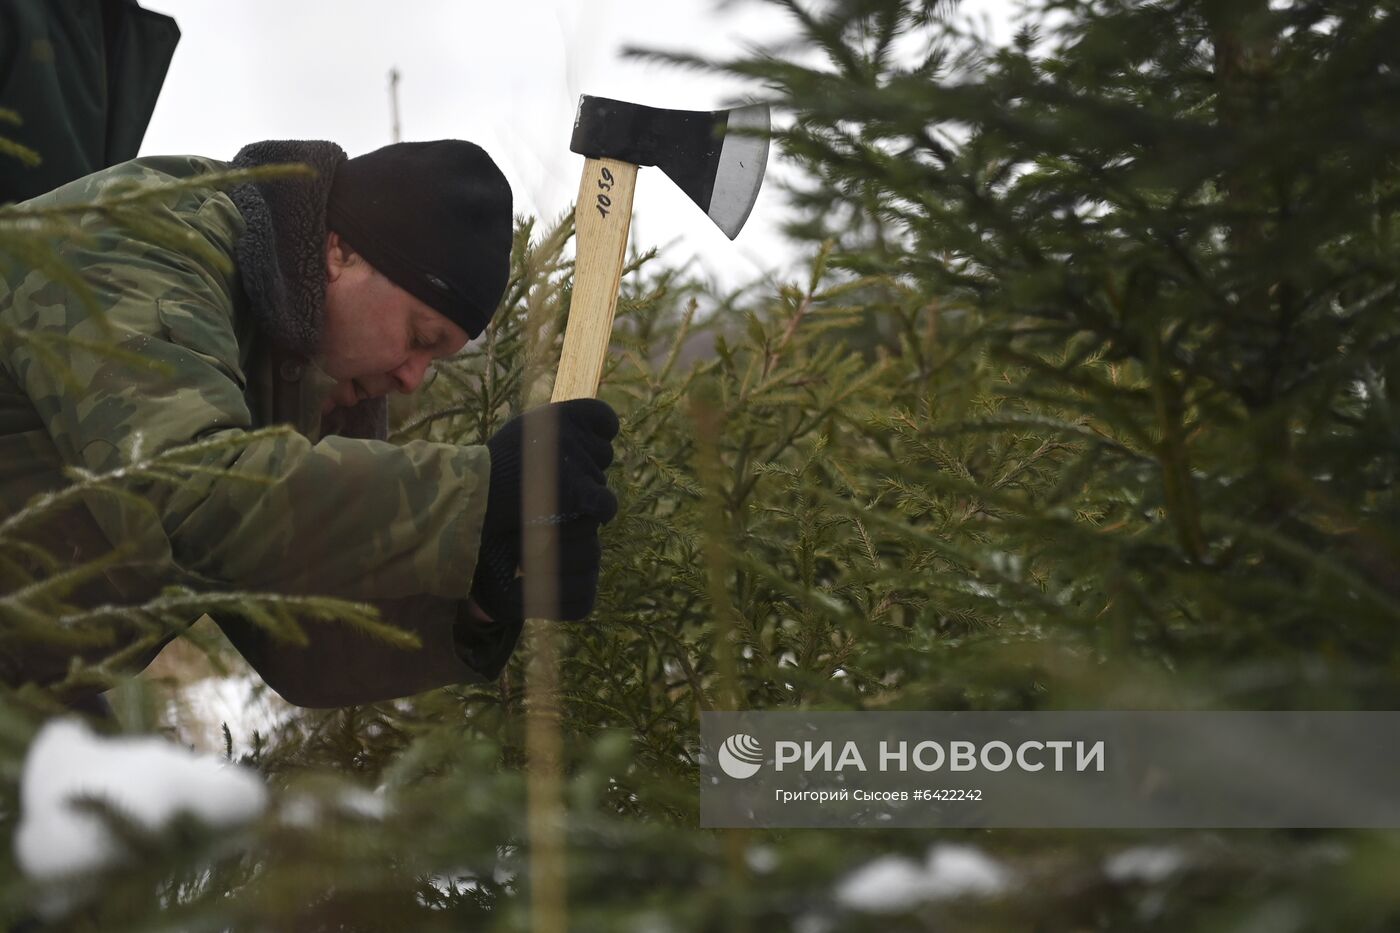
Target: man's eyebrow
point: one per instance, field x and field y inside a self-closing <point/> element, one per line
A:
<point x="432" y="330"/>
<point x="442" y="338"/>
<point x="436" y="329"/>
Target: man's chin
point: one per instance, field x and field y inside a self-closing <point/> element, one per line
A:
<point x="344" y="395"/>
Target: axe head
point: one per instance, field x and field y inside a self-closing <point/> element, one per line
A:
<point x="717" y="157"/>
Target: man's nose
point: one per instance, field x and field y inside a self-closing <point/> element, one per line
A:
<point x="409" y="376"/>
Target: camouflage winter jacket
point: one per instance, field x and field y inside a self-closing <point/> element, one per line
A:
<point x="329" y="508"/>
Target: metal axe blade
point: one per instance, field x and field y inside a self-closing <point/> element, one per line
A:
<point x="717" y="157"/>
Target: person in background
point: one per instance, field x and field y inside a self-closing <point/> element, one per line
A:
<point x="82" y="78"/>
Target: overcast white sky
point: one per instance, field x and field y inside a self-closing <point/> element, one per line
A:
<point x="504" y="75"/>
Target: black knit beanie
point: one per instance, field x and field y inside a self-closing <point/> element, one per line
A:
<point x="435" y="218"/>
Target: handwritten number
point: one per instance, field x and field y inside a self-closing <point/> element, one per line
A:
<point x="606" y="184"/>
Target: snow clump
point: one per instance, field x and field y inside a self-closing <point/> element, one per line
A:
<point x="893" y="883"/>
<point x="149" y="780"/>
<point x="1148" y="864"/>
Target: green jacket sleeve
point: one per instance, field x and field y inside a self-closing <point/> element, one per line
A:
<point x="339" y="666"/>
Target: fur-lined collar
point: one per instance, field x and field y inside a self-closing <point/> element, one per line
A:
<point x="282" y="258"/>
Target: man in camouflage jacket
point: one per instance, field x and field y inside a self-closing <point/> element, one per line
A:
<point x="344" y="287"/>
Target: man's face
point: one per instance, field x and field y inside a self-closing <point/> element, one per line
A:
<point x="376" y="337"/>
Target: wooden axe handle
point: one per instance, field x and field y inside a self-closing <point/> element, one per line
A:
<point x="601" y="219"/>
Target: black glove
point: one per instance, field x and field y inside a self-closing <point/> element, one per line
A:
<point x="573" y="441"/>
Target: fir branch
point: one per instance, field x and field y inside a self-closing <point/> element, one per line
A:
<point x="166" y="466"/>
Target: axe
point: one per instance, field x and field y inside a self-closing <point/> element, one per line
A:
<point x="720" y="169"/>
<point x="716" y="157"/>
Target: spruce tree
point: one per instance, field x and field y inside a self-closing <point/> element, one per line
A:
<point x="1081" y="403"/>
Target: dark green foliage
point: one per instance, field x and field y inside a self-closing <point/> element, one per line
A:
<point x="1171" y="222"/>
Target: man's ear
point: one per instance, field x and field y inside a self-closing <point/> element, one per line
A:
<point x="339" y="256"/>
